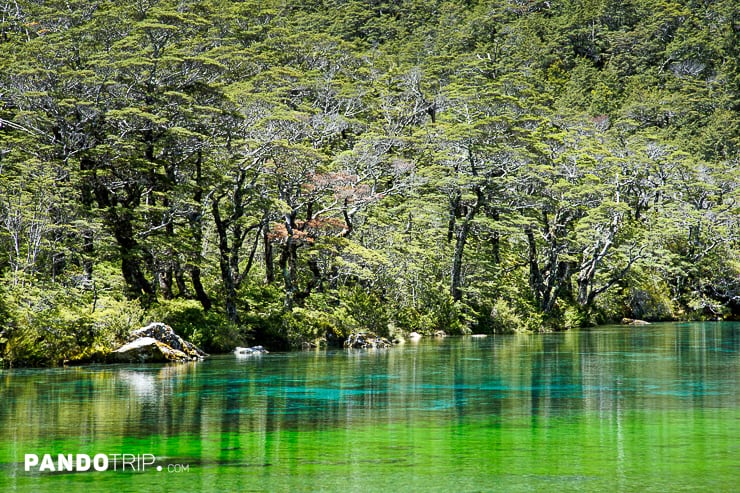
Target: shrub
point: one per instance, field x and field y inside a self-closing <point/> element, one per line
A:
<point x="209" y="330"/>
<point x="507" y="317"/>
<point x="578" y="316"/>
<point x="436" y="310"/>
<point x="52" y="325"/>
<point x="305" y="325"/>
<point x="361" y="310"/>
<point x="650" y="299"/>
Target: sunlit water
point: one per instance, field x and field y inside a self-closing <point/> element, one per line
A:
<point x="653" y="408"/>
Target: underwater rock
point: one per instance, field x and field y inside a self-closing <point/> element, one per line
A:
<point x="366" y="340"/>
<point x="315" y="344"/>
<point x="249" y="351"/>
<point x="634" y="321"/>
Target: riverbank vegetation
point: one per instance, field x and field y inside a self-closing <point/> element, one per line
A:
<point x="278" y="172"/>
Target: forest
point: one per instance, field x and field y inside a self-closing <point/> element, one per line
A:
<point x="287" y="172"/>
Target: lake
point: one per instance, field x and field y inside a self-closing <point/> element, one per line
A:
<point x="654" y="408"/>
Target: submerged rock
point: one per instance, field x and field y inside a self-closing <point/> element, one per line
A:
<point x="249" y="351"/>
<point x="634" y="321"/>
<point x="315" y="344"/>
<point x="366" y="340"/>
<point x="157" y="343"/>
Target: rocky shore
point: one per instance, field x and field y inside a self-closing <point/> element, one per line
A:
<point x="156" y="343"/>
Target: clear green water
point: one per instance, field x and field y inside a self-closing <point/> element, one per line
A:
<point x="643" y="409"/>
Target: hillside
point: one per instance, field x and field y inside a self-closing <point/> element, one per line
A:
<point x="279" y="172"/>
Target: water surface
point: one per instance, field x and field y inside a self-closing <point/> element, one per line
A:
<point x="653" y="408"/>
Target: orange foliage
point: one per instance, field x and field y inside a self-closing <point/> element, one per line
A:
<point x="307" y="231"/>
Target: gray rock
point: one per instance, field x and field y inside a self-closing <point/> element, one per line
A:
<point x="156" y="343"/>
<point x="250" y="351"/>
<point x="634" y="321"/>
<point x="164" y="333"/>
<point x="148" y="350"/>
<point x="366" y="340"/>
<point x="319" y="343"/>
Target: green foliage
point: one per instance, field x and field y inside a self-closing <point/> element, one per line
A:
<point x="507" y="317"/>
<point x="303" y="325"/>
<point x="49" y="326"/>
<point x="703" y="307"/>
<point x="649" y="298"/>
<point x="436" y="311"/>
<point x="359" y="310"/>
<point x="264" y="172"/>
<point x="575" y="316"/>
<point x="209" y="330"/>
<point x="44" y="333"/>
<point x="263" y="321"/>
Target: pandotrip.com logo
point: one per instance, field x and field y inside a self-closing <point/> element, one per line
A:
<point x="55" y="463"/>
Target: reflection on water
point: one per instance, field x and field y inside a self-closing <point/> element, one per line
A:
<point x="142" y="385"/>
<point x="632" y="405"/>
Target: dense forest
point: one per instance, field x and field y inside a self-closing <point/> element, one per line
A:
<point x="283" y="172"/>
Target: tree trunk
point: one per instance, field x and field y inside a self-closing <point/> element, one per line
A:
<point x="166" y="265"/>
<point x="137" y="286"/>
<point x="536" y="285"/>
<point x="225" y="264"/>
<point x="287" y="265"/>
<point x="452" y="217"/>
<point x="87" y="198"/>
<point x="495" y="240"/>
<point x="461" y="238"/>
<point x="196" y="226"/>
<point x="269" y="257"/>
<point x="457" y="260"/>
<point x="179" y="274"/>
<point x="165" y="282"/>
<point x="584" y="281"/>
<point x="200" y="292"/>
